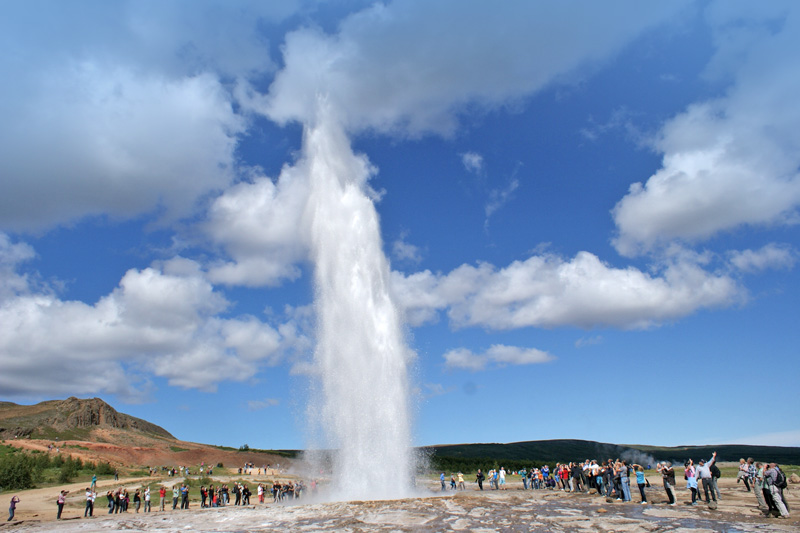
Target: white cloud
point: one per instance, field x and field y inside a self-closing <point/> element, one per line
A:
<point x="547" y="291"/>
<point x="119" y="108"/>
<point x="260" y="226"/>
<point x="770" y="256"/>
<point x="500" y="197"/>
<point x="409" y="66"/>
<point x="258" y="405"/>
<point x="117" y="141"/>
<point x="588" y="341"/>
<point x="731" y="161"/>
<point x="162" y="321"/>
<point x="473" y="162"/>
<point x="405" y="251"/>
<point x="497" y="355"/>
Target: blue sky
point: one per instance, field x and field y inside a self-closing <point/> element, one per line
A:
<point x="590" y="212"/>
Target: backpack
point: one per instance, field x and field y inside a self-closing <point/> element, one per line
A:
<point x="780" y="480"/>
<point x="715" y="471"/>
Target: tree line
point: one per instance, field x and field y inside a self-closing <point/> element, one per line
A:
<point x="20" y="470"/>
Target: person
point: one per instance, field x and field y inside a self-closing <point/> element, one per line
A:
<point x="175" y="493"/>
<point x="461" y="485"/>
<point x="502" y="478"/>
<point x="62" y="499"/>
<point x="441" y="479"/>
<point x="641" y="482"/>
<point x="147" y="500"/>
<point x="94" y="481"/>
<point x="703" y="473"/>
<point x="771" y="480"/>
<point x="621" y="468"/>
<point x="691" y="480"/>
<point x="137" y="500"/>
<point x="184" y="497"/>
<point x="162" y="493"/>
<point x="716" y="473"/>
<point x="479" y="479"/>
<point x="668" y="477"/>
<point x="758" y="488"/>
<point x="744" y="474"/>
<point x="110" y="496"/>
<point x="12" y="507"/>
<point x="89" y="510"/>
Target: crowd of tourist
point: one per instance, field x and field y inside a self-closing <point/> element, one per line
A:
<point x="613" y="479"/>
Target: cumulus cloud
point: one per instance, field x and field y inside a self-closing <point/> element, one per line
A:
<point x="496" y="355"/>
<point x="548" y="291"/>
<point x="162" y="320"/>
<point x="770" y="256"/>
<point x="259" y="224"/>
<point x="731" y="161"/>
<point x="121" y="108"/>
<point x="410" y="66"/>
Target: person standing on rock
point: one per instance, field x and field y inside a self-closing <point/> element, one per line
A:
<point x="12" y="507"/>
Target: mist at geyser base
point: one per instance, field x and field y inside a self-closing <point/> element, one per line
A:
<point x="361" y="358"/>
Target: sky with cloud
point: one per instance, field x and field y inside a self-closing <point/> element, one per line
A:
<point x="590" y="211"/>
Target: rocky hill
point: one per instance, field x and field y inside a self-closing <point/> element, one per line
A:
<point x="68" y="419"/>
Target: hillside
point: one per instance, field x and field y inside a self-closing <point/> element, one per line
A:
<point x="68" y="419"/>
<point x="578" y="450"/>
<point x="92" y="430"/>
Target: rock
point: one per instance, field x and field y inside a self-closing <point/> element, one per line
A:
<point x="601" y="510"/>
<point x="794" y="478"/>
<point x="712" y="505"/>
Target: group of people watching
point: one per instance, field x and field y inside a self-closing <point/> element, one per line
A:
<point x="613" y="480"/>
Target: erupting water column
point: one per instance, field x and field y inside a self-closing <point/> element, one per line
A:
<point x="361" y="355"/>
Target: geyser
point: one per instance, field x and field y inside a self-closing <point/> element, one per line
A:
<point x="361" y="357"/>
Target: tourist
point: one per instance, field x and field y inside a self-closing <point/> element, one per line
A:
<point x="184" y="496"/>
<point x="668" y="477"/>
<point x="622" y="469"/>
<point x="260" y="492"/>
<point x="691" y="480"/>
<point x="758" y="488"/>
<point x="703" y="473"/>
<point x="641" y="482"/>
<point x="12" y="507"/>
<point x="501" y="478"/>
<point x="441" y="480"/>
<point x="90" y="496"/>
<point x="94" y="481"/>
<point x="137" y="500"/>
<point x="453" y="485"/>
<point x="479" y="479"/>
<point x="147" y="500"/>
<point x="771" y="480"/>
<point x="62" y="498"/>
<point x="176" y="491"/>
<point x="744" y="474"/>
<point x="162" y="494"/>
<point x="110" y="496"/>
<point x="461" y="485"/>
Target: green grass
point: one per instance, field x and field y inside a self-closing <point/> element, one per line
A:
<point x="178" y="449"/>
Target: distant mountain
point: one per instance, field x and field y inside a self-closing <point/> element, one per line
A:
<point x="69" y="419"/>
<point x="565" y="450"/>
